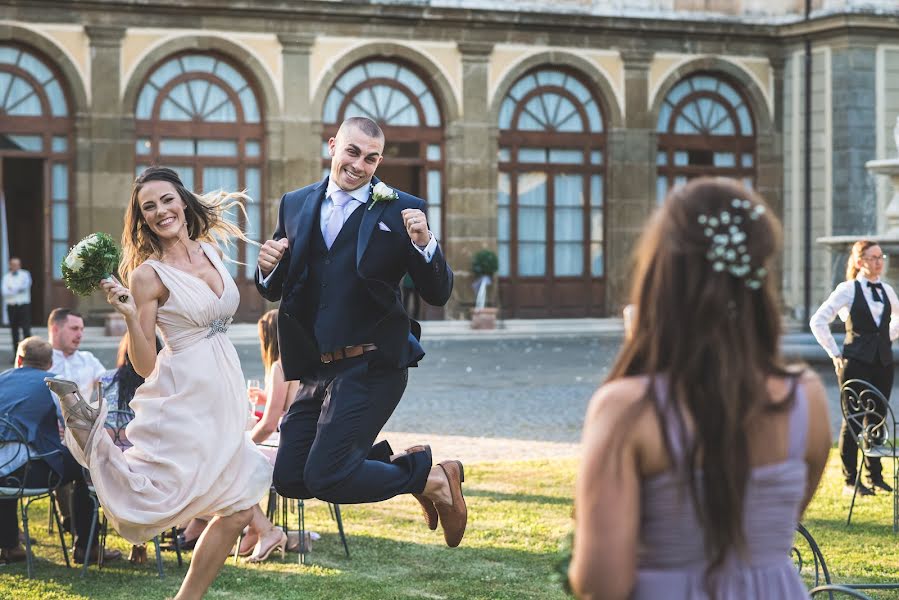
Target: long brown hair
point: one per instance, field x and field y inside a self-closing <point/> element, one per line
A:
<point x="206" y="217"/>
<point x="712" y="336"/>
<point x="858" y="248"/>
<point x="268" y="338"/>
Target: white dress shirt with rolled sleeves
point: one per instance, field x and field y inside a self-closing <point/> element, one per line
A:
<point x="17" y="287"/>
<point x="839" y="303"/>
<point x="82" y="367"/>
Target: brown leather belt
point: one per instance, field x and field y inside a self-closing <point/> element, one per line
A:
<point x="347" y="352"/>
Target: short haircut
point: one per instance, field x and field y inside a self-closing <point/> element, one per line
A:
<point x="35" y="352"/>
<point x="59" y="316"/>
<point x="365" y="125"/>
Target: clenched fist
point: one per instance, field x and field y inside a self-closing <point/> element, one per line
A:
<point x="270" y="254"/>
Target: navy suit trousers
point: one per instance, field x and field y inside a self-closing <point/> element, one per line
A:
<point x="326" y="449"/>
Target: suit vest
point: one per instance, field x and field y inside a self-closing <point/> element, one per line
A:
<point x="337" y="307"/>
<point x="865" y="340"/>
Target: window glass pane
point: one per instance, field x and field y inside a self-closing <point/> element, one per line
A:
<point x="217" y="148"/>
<point x="503" y="189"/>
<point x="596" y="231"/>
<point x="234" y="79"/>
<point x="253" y="185"/>
<point x="503" y="155"/>
<point x="9" y="55"/>
<point x="435" y="213"/>
<point x="169" y="111"/>
<point x="60" y="228"/>
<point x="531" y="259"/>
<point x="250" y="106"/>
<point x="332" y="104"/>
<point x="568" y="157"/>
<point x="680" y="180"/>
<point x="433" y="152"/>
<point x="532" y="155"/>
<point x="249" y="268"/>
<point x="552" y="77"/>
<point x="661" y="188"/>
<point x="507" y="108"/>
<point x="729" y="93"/>
<point x="252" y="148"/>
<point x="253" y="226"/>
<point x="198" y="89"/>
<point x="596" y="157"/>
<point x="186" y="174"/>
<point x="138" y="169"/>
<point x="142" y="146"/>
<point x="596" y="190"/>
<point x="664" y="117"/>
<point x="681" y="159"/>
<point x="577" y="88"/>
<point x="26" y="103"/>
<point x="219" y="178"/>
<point x="725" y="159"/>
<point x="35" y="68"/>
<point x="532" y="189"/>
<point x="145" y="102"/>
<point x="406" y="117"/>
<point x="524" y="85"/>
<point x="57" y="99"/>
<point x="435" y="192"/>
<point x="662" y="158"/>
<point x="502" y="254"/>
<point x="166" y="73"/>
<point x="27" y="143"/>
<point x="568" y="225"/>
<point x="569" y="190"/>
<point x="503" y="228"/>
<point x="569" y="259"/>
<point x="60" y="250"/>
<point x="352" y="78"/>
<point x="684" y="127"/>
<point x="198" y="63"/>
<point x="169" y="147"/>
<point x="745" y="121"/>
<point x="527" y="122"/>
<point x="432" y="113"/>
<point x="59" y="181"/>
<point x="596" y="260"/>
<point x="747" y="160"/>
<point x="747" y="182"/>
<point x="225" y="113"/>
<point x="60" y="143"/>
<point x="213" y="100"/>
<point x="572" y="122"/>
<point x="593" y="116"/>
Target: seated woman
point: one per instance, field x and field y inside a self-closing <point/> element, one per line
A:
<point x="702" y="449"/>
<point x="278" y="394"/>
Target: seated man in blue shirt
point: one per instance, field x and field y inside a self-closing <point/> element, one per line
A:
<point x="26" y="401"/>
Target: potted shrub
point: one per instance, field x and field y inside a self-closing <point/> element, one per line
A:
<point x="484" y="264"/>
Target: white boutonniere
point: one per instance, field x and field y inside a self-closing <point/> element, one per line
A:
<point x="382" y="193"/>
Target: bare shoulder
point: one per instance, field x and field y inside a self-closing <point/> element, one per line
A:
<point x="146" y="282"/>
<point x="616" y="398"/>
<point x="814" y="389"/>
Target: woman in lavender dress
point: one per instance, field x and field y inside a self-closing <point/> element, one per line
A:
<point x="702" y="449"/>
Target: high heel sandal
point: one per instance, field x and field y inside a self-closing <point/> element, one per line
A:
<point x="78" y="415"/>
<point x="281" y="544"/>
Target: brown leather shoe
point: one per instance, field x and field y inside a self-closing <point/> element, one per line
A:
<point x="11" y="555"/>
<point x="108" y="555"/>
<point x="453" y="517"/>
<point x="427" y="507"/>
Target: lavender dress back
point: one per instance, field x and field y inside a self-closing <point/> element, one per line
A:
<point x="671" y="557"/>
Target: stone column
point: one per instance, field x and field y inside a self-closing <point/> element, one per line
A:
<point x="470" y="177"/>
<point x="631" y="177"/>
<point x="294" y="142"/>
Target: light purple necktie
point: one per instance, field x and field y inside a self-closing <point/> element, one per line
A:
<point x="339" y="198"/>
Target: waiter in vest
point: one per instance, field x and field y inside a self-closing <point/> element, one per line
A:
<point x="339" y="252"/>
<point x="871" y="311"/>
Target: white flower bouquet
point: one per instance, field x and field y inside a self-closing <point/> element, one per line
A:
<point x="91" y="260"/>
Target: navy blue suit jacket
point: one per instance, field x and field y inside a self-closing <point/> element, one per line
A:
<point x="382" y="259"/>
<point x="26" y="401"/>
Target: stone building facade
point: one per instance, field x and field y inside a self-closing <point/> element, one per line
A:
<point x="545" y="131"/>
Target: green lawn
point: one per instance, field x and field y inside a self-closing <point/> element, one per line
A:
<point x="519" y="512"/>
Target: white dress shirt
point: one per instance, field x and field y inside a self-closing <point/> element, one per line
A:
<point x="82" y="367"/>
<point x="17" y="287"/>
<point x="839" y="303"/>
<point x="360" y="197"/>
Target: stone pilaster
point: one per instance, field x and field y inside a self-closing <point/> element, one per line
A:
<point x="295" y="140"/>
<point x="470" y="177"/>
<point x="631" y="177"/>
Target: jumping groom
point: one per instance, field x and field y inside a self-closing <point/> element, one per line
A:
<point x="340" y="250"/>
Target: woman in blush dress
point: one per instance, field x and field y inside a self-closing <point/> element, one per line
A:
<point x="190" y="454"/>
<point x="702" y="449"/>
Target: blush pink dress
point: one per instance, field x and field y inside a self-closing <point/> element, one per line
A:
<point x="191" y="454"/>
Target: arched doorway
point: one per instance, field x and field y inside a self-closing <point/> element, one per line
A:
<point x="705" y="127"/>
<point x="394" y="94"/>
<point x="551" y="233"/>
<point x="36" y="158"/>
<point x="200" y="114"/>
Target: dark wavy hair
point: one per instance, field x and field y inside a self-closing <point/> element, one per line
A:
<point x="712" y="339"/>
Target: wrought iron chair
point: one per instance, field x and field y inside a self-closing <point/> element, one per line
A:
<point x="835" y="591"/>
<point x="116" y="422"/>
<point x="870" y="418"/>
<point x="18" y="457"/>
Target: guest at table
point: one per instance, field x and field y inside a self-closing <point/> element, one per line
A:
<point x="702" y="449"/>
<point x="279" y="393"/>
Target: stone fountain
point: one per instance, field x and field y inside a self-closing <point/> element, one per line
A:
<point x="889" y="240"/>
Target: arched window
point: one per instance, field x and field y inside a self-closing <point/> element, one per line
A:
<point x="36" y="130"/>
<point x="394" y="95"/>
<point x="550" y="196"/>
<point x="705" y="127"/>
<point x="200" y="115"/>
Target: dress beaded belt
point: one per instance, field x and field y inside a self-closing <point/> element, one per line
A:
<point x="218" y="326"/>
<point x="347" y="352"/>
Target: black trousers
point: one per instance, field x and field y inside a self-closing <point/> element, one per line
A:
<point x="882" y="378"/>
<point x="19" y="322"/>
<point x="39" y="474"/>
<point x="326" y="449"/>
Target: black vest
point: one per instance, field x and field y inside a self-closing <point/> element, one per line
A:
<point x="865" y="340"/>
<point x="337" y="307"/>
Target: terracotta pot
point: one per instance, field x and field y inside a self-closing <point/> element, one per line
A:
<point x="483" y="318"/>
